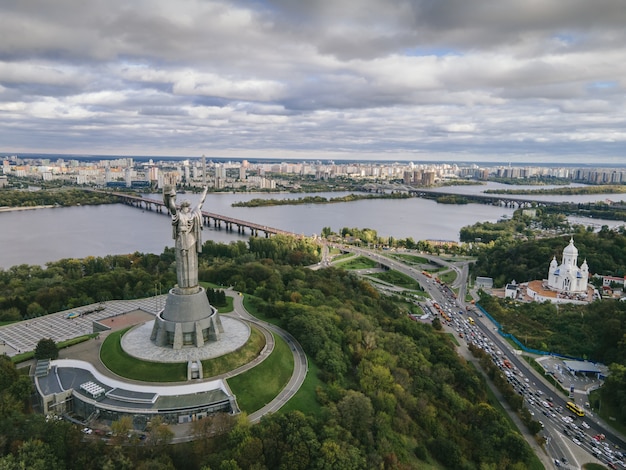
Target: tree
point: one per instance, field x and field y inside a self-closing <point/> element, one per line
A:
<point x="46" y="349"/>
<point x="159" y="433"/>
<point x="121" y="428"/>
<point x="8" y="372"/>
<point x="32" y="455"/>
<point x="356" y="414"/>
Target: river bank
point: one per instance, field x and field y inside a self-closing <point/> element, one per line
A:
<point x="13" y="209"/>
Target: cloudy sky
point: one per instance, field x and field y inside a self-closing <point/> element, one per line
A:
<point x="500" y="80"/>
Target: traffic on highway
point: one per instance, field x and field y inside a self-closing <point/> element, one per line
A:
<point x="564" y="423"/>
<point x="570" y="432"/>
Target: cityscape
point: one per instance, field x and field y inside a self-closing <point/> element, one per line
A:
<point x="260" y="175"/>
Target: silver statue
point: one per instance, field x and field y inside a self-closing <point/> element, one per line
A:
<point x="186" y="230"/>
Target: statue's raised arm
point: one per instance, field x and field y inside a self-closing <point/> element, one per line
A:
<point x="201" y="203"/>
<point x="169" y="198"/>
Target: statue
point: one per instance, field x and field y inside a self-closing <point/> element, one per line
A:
<point x="186" y="230"/>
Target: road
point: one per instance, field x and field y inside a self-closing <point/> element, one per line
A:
<point x="299" y="358"/>
<point x="569" y="443"/>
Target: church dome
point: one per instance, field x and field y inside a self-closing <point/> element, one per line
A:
<point x="570" y="249"/>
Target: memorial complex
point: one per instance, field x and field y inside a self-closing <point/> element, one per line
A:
<point x="188" y="329"/>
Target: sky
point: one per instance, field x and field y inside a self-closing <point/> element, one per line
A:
<point x="504" y="80"/>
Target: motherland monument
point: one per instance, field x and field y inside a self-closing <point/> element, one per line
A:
<point x="188" y="319"/>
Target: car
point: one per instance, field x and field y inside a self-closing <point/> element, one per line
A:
<point x="584" y="425"/>
<point x="576" y="441"/>
<point x="557" y="463"/>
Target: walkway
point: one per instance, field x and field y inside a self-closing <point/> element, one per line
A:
<point x="89" y="351"/>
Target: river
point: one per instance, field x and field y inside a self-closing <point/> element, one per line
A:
<point x="44" y="235"/>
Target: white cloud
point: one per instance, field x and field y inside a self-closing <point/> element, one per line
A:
<point x="367" y="77"/>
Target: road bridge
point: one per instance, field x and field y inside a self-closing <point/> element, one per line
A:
<point x="219" y="221"/>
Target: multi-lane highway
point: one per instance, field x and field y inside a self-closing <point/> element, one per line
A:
<point x="570" y="440"/>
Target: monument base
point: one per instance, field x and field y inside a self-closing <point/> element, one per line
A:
<point x="188" y="320"/>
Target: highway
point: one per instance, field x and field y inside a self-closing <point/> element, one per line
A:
<point x="570" y="444"/>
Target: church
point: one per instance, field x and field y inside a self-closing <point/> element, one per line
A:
<point x="566" y="283"/>
<point x="567" y="277"/>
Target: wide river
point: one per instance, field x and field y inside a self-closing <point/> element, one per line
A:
<point x="43" y="235"/>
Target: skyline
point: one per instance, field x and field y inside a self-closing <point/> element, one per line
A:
<point x="371" y="80"/>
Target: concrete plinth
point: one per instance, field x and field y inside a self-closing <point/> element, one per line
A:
<point x="188" y="319"/>
<point x="136" y="342"/>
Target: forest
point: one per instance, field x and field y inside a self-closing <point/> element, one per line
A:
<point x="56" y="197"/>
<point x="394" y="394"/>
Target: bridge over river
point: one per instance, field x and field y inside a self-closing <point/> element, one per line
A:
<point x="219" y="221"/>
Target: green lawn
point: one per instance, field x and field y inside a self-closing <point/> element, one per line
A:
<point x="305" y="399"/>
<point x="448" y="277"/>
<point x="244" y="355"/>
<point x="258" y="386"/>
<point x="410" y="259"/>
<point x="361" y="262"/>
<point x="124" y="365"/>
<point x="119" y="362"/>
<point x="398" y="279"/>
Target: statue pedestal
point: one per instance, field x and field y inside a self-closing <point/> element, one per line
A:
<point x="188" y="320"/>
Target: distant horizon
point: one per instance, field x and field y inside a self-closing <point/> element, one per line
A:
<point x="323" y="160"/>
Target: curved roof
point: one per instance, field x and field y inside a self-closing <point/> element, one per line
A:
<point x="570" y="249"/>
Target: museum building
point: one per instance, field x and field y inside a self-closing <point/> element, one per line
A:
<point x="73" y="388"/>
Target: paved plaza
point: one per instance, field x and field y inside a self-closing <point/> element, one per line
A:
<point x="23" y="336"/>
<point x="137" y="343"/>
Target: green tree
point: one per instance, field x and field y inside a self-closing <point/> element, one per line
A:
<point x="46" y="349"/>
<point x="32" y="455"/>
<point x="8" y="373"/>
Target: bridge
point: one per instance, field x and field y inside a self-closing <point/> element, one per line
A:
<point x="219" y="221"/>
<point x="503" y="200"/>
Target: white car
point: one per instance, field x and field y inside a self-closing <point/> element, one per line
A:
<point x="584" y="425"/>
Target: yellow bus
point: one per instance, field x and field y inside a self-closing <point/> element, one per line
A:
<point x="574" y="408"/>
<point x="470" y="320"/>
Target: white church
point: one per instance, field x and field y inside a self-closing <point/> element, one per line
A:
<point x="566" y="283"/>
<point x="567" y="277"/>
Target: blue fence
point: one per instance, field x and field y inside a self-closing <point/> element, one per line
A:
<point x="519" y="343"/>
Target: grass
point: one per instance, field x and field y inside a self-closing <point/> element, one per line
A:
<point x="361" y="262"/>
<point x="257" y="387"/>
<point x="305" y="399"/>
<point x="410" y="259"/>
<point x="605" y="411"/>
<point x="228" y="307"/>
<point x="121" y="363"/>
<point x="124" y="365"/>
<point x="238" y="358"/>
<point x="338" y="258"/>
<point x="398" y="279"/>
<point x="448" y="277"/>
